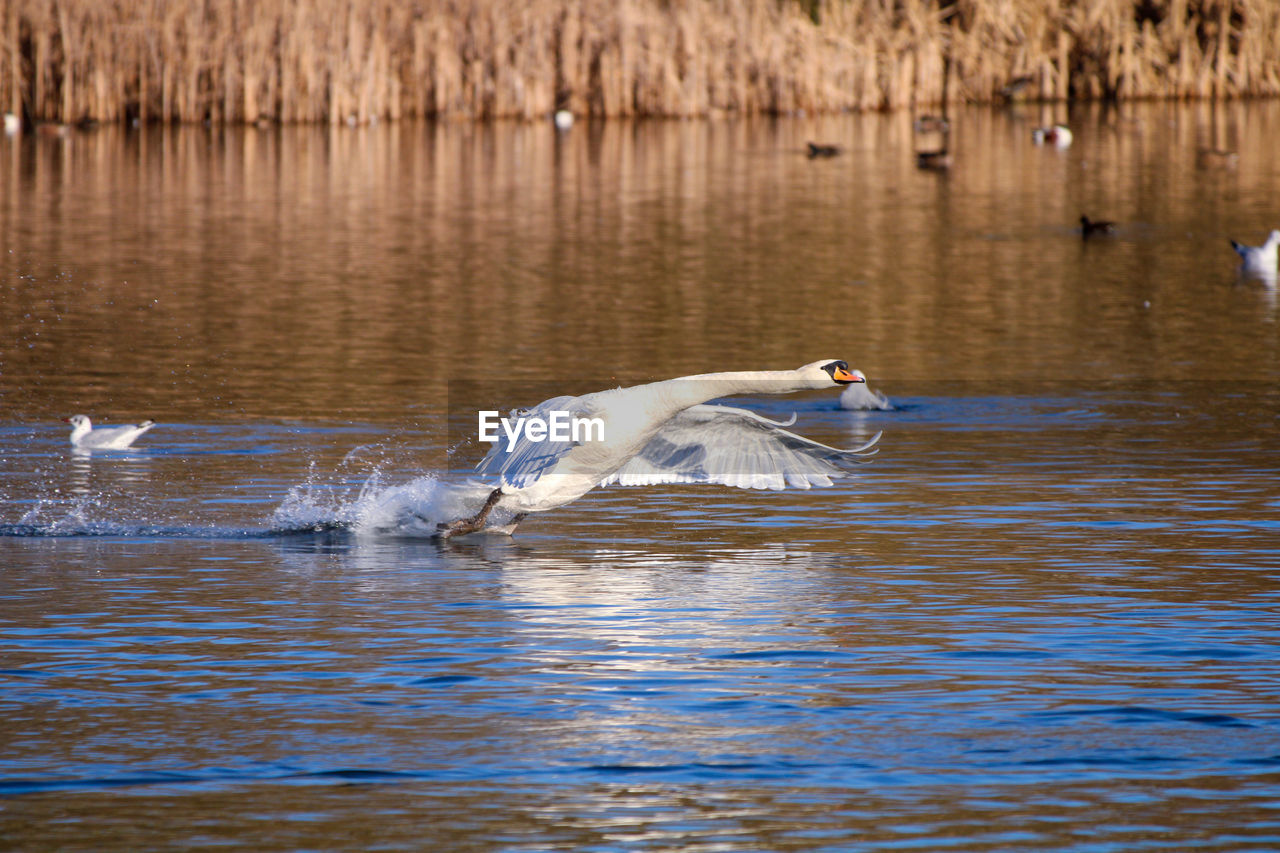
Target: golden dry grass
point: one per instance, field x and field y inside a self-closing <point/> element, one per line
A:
<point x="361" y="60"/>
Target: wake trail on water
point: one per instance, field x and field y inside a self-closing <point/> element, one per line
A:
<point x="333" y="504"/>
<point x="410" y="509"/>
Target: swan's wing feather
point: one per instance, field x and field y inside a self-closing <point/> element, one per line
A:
<point x="735" y="447"/>
<point x="519" y="462"/>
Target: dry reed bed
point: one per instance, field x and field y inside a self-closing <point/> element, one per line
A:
<point x="343" y="60"/>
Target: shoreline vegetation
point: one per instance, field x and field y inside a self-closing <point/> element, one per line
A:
<point x="335" y="61"/>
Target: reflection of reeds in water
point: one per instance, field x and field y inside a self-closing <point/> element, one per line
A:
<point x="344" y="60"/>
<point x="393" y="259"/>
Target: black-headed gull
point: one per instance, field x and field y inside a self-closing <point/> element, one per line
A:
<point x="83" y="435"/>
<point x="662" y="432"/>
<point x="1259" y="261"/>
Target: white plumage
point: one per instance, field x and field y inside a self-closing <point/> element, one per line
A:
<point x="1058" y="135"/>
<point x="85" y="436"/>
<point x="1259" y="261"/>
<point x="859" y="397"/>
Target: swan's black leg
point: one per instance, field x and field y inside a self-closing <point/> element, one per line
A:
<point x="472" y="524"/>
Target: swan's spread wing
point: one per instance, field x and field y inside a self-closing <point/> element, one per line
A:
<point x="735" y="447"/>
<point x="527" y="460"/>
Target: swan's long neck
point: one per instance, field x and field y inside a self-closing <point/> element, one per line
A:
<point x="679" y="394"/>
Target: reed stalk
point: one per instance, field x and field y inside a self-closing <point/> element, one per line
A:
<point x="362" y="60"/>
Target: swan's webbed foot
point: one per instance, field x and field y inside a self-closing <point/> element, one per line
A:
<point x="469" y="525"/>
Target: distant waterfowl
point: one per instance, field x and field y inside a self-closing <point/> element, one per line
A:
<point x="1259" y="261"/>
<point x="938" y="160"/>
<point x="932" y="124"/>
<point x="84" y="435"/>
<point x="816" y="150"/>
<point x="1090" y="228"/>
<point x="1058" y="135"/>
<point x="53" y="130"/>
<point x="12" y="124"/>
<point x="859" y="397"/>
<point x="563" y="119"/>
<point x="662" y="432"/>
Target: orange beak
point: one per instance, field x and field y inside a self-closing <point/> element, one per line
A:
<point x="845" y="377"/>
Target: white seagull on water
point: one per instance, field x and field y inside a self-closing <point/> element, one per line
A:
<point x="664" y="432"/>
<point x="1259" y="261"/>
<point x="84" y="436"/>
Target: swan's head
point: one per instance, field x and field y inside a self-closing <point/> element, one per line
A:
<point x="1273" y="239"/>
<point x="822" y="374"/>
<point x="78" y="421"/>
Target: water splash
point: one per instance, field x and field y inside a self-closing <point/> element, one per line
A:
<point x="413" y="508"/>
<point x="357" y="497"/>
<point x="367" y="494"/>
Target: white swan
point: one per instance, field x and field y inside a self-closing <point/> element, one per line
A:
<point x="663" y="432"/>
<point x="83" y="435"/>
<point x="1259" y="261"/>
<point x="859" y="397"/>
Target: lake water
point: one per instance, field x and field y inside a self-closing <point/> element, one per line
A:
<point x="1043" y="618"/>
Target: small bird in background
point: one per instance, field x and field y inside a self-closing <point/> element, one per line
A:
<point x="859" y="398"/>
<point x="84" y="436"/>
<point x="932" y="124"/>
<point x="1090" y="228"/>
<point x="939" y="160"/>
<point x="1058" y="135"/>
<point x="816" y="150"/>
<point x="1259" y="261"/>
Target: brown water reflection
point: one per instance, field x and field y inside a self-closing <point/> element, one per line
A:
<point x="1041" y="618"/>
<point x="311" y="272"/>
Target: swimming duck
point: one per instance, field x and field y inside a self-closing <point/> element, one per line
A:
<point x="1090" y="228"/>
<point x="1058" y="135"/>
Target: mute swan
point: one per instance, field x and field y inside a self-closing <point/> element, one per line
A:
<point x="859" y="396"/>
<point x="1259" y="261"/>
<point x="104" y="438"/>
<point x="664" y="432"/>
<point x="932" y="124"/>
